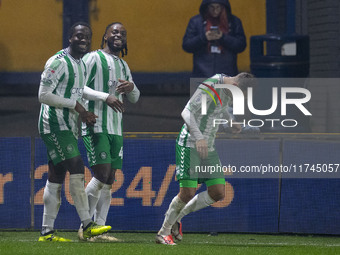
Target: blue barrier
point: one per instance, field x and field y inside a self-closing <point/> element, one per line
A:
<point x="15" y="182"/>
<point x="145" y="187"/>
<point x="310" y="205"/>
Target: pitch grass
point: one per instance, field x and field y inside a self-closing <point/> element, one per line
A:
<point x="25" y="242"/>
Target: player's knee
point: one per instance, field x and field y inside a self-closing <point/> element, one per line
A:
<point x="218" y="196"/>
<point x="103" y="173"/>
<point x="111" y="178"/>
<point x="186" y="195"/>
<point x="217" y="193"/>
<point x="56" y="173"/>
<point x="75" y="165"/>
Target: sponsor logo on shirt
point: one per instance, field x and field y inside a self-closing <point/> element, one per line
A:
<point x="77" y="91"/>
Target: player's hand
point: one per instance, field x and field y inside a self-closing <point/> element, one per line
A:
<point x="115" y="103"/>
<point x="124" y="87"/>
<point x="88" y="117"/>
<point x="202" y="148"/>
<point x="213" y="36"/>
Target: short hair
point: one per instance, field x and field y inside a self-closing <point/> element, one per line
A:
<point x="245" y="80"/>
<point x="80" y="23"/>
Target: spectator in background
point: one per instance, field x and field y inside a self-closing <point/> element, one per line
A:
<point x="215" y="37"/>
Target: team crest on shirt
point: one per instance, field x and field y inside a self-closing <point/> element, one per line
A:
<point x="103" y="155"/>
<point x="70" y="148"/>
<point x="53" y="154"/>
<point x="48" y="76"/>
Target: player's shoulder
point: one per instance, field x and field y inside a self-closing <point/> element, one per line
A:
<point x="91" y="55"/>
<point x="56" y="60"/>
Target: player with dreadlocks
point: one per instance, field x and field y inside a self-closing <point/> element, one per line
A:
<point x="124" y="51"/>
<point x="104" y="141"/>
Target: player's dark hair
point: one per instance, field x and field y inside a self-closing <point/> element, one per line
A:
<point x="71" y="31"/>
<point x="123" y="51"/>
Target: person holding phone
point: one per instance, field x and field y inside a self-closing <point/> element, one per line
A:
<point x="215" y="37"/>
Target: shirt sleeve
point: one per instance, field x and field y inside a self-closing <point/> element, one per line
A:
<point x="46" y="96"/>
<point x="190" y="120"/>
<point x="94" y="95"/>
<point x="133" y="96"/>
<point x="50" y="78"/>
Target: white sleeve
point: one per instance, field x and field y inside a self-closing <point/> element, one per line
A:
<point x="133" y="96"/>
<point x="192" y="124"/>
<point x="46" y="96"/>
<point x="94" y="95"/>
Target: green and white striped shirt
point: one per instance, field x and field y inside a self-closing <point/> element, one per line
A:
<point x="104" y="71"/>
<point x="66" y="76"/>
<point x="215" y="110"/>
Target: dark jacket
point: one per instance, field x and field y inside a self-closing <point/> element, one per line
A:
<point x="207" y="64"/>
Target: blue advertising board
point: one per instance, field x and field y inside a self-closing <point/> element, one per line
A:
<point x="254" y="202"/>
<point x="15" y="182"/>
<point x="145" y="187"/>
<point x="311" y="204"/>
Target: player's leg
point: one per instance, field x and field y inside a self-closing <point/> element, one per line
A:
<point x="115" y="148"/>
<point x="98" y="151"/>
<point x="74" y="164"/>
<point x="52" y="201"/>
<point x="52" y="191"/>
<point x="187" y="191"/>
<point x="215" y="192"/>
<point x="93" y="189"/>
<point x="102" y="210"/>
<point x="104" y="203"/>
<point x="176" y="205"/>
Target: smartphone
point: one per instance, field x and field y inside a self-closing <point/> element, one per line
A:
<point x="214" y="29"/>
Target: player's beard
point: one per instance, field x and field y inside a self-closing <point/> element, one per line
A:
<point x="114" y="48"/>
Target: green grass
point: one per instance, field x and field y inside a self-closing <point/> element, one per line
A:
<point x="25" y="242"/>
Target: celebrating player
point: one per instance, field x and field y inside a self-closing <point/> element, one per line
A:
<point x="104" y="141"/>
<point x="61" y="89"/>
<point x="195" y="147"/>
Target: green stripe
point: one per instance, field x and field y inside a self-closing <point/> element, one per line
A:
<point x="211" y="80"/>
<point x="52" y="115"/>
<point x="81" y="76"/>
<point x="124" y="70"/>
<point x="91" y="77"/>
<point x="185" y="138"/>
<point x="90" y="84"/>
<point x="68" y="90"/>
<point x="70" y="82"/>
<point x="61" y="78"/>
<point x="118" y="76"/>
<point x="41" y="126"/>
<point x="105" y="69"/>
